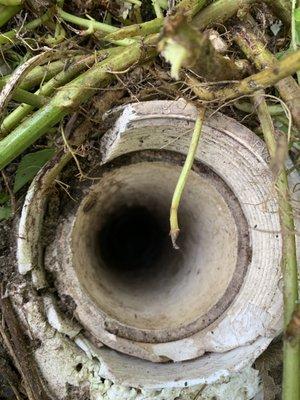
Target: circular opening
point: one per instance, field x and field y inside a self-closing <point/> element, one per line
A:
<point x="125" y="261"/>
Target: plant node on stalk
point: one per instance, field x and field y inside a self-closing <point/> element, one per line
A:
<point x="184" y="47"/>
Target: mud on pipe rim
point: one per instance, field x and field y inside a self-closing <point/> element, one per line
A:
<point x="215" y="305"/>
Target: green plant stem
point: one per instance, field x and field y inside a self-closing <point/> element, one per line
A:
<point x="137" y="3"/>
<point x="248" y="108"/>
<point x="219" y="12"/>
<point x="190" y="7"/>
<point x="142" y="29"/>
<point x="174" y="226"/>
<point x="91" y="25"/>
<point x="71" y="96"/>
<point x="157" y="9"/>
<point x="261" y="80"/>
<point x="10" y="3"/>
<point x="81" y="64"/>
<point x="6" y="13"/>
<point x="39" y="74"/>
<point x="291" y="352"/>
<point x="295" y="39"/>
<point x="32" y="99"/>
<point x="59" y="35"/>
<point x="154" y="26"/>
<point x="24" y="96"/>
<point x="256" y="51"/>
<point x="8" y="37"/>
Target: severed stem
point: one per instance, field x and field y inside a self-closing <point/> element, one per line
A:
<point x="174" y="226"/>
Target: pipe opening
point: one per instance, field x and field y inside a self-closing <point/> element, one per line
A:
<point x="125" y="261"/>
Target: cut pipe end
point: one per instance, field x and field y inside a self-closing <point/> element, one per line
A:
<point x="140" y="287"/>
<point x="137" y="305"/>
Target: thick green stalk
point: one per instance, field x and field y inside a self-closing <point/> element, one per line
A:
<point x="219" y="12"/>
<point x="154" y="26"/>
<point x="92" y="25"/>
<point x="174" y="226"/>
<point x="39" y="74"/>
<point x="32" y="99"/>
<point x="248" y="108"/>
<point x="10" y="3"/>
<point x="295" y="39"/>
<point x="263" y="79"/>
<point x="89" y="24"/>
<point x="23" y="96"/>
<point x="81" y="64"/>
<point x="157" y="9"/>
<point x="8" y="37"/>
<point x="142" y="29"/>
<point x="6" y="13"/>
<point x="29" y="131"/>
<point x="190" y="7"/>
<point x="291" y="351"/>
<point x="70" y="97"/>
<point x="256" y="51"/>
<point x="14" y="118"/>
<point x="11" y="87"/>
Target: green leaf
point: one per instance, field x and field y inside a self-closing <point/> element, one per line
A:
<point x="5" y="212"/>
<point x="30" y="165"/>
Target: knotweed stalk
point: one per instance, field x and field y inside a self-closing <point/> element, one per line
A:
<point x="291" y="351"/>
<point x="71" y="96"/>
<point x="256" y="51"/>
<point x="263" y="79"/>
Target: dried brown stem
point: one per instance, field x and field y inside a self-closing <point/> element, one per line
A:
<point x="256" y="51"/>
<point x="263" y="79"/>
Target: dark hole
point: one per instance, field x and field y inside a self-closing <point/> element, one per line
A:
<point x="132" y="239"/>
<point x="79" y="367"/>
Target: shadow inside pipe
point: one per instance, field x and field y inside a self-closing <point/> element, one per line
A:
<point x="132" y="243"/>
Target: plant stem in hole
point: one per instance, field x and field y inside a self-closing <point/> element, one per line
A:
<point x="174" y="226"/>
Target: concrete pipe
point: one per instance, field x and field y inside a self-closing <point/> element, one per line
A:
<point x="130" y="314"/>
